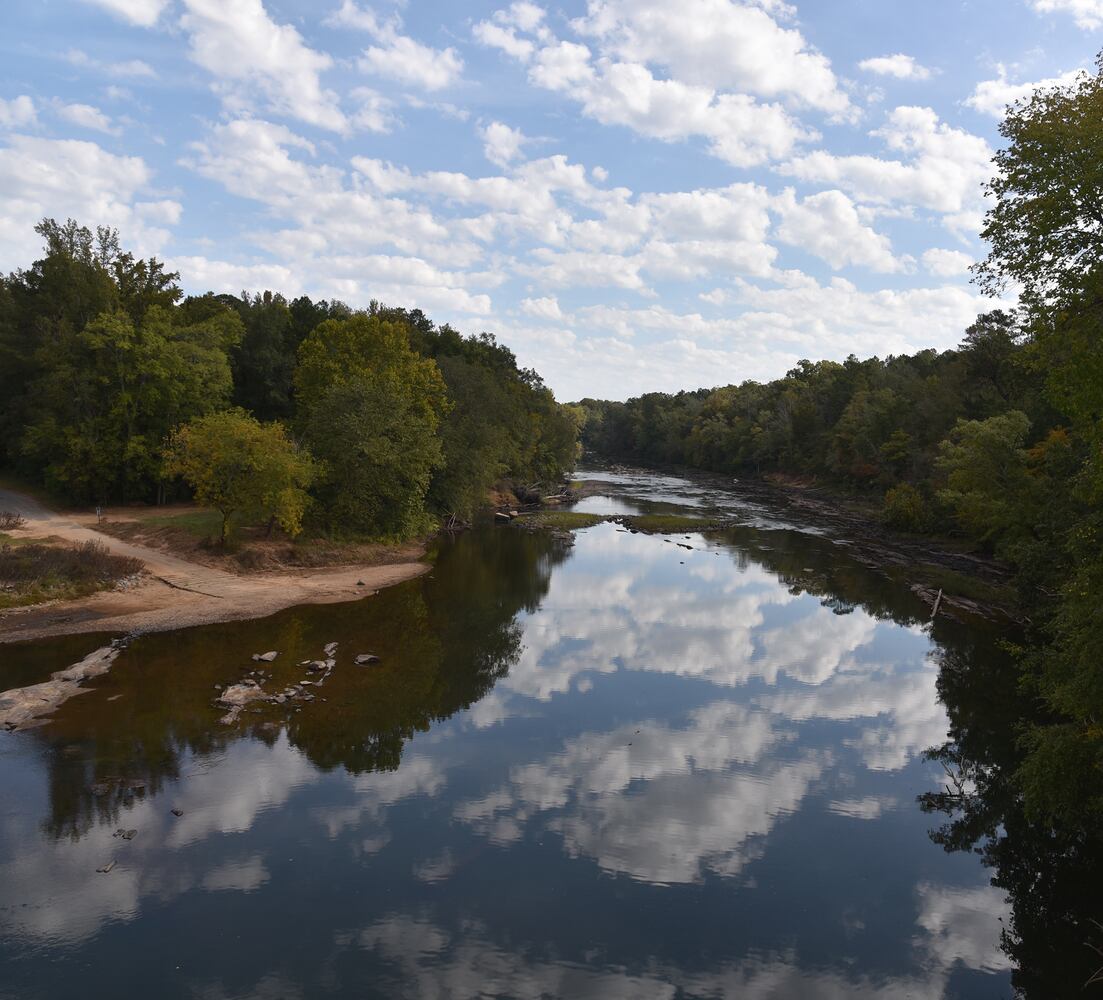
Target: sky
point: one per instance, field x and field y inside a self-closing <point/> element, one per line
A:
<point x="634" y="195"/>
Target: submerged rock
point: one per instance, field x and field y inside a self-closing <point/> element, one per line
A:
<point x="365" y="658"/>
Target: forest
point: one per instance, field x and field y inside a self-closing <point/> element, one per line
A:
<point x="998" y="442"/>
<point x="116" y="387"/>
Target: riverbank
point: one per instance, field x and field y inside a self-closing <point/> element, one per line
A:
<point x="971" y="584"/>
<point x="173" y="592"/>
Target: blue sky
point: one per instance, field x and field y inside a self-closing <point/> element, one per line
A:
<point x="633" y="194"/>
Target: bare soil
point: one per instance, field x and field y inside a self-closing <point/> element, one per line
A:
<point x="179" y="589"/>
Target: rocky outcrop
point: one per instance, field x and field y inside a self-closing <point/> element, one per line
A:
<point x="21" y="708"/>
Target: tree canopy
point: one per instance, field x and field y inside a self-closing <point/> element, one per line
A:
<point x="103" y="359"/>
<point x="241" y="467"/>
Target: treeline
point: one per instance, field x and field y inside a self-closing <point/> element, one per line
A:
<point x="114" y="386"/>
<point x="955" y="440"/>
<point x="1000" y="440"/>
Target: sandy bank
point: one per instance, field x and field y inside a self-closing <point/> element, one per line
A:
<point x="175" y="593"/>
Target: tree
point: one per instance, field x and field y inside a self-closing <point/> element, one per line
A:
<point x="1046" y="231"/>
<point x="985" y="465"/>
<point x="370" y="408"/>
<point x="379" y="448"/>
<point x="1045" y="227"/>
<point x="242" y="468"/>
<point x="109" y="396"/>
<point x="477" y="438"/>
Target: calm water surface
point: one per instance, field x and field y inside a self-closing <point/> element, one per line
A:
<point x="631" y="766"/>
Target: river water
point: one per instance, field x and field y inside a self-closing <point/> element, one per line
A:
<point x="613" y="765"/>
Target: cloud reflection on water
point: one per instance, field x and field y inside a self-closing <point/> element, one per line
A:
<point x="789" y="707"/>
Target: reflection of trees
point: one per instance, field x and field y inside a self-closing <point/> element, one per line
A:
<point x="457" y="635"/>
<point x="1053" y="875"/>
<point x="810" y="564"/>
<point x="444" y="639"/>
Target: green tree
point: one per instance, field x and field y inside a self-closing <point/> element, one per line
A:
<point x="370" y="409"/>
<point x="242" y="468"/>
<point x="98" y="415"/>
<point x="987" y="484"/>
<point x="1046" y="231"/>
<point x="1045" y="227"/>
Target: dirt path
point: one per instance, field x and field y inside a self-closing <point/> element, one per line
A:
<point x="176" y="593"/>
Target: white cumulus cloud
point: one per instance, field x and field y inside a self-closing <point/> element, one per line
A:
<point x="1086" y="13"/>
<point x="144" y="13"/>
<point x="940" y="168"/>
<point x="253" y="58"/>
<point x="616" y="83"/>
<point x="17" y="112"/>
<point x="73" y="178"/>
<point x="828" y="225"/>
<point x="901" y="66"/>
<point x="502" y="144"/>
<point x="398" y="56"/>
<point x="946" y="263"/>
<point x="544" y="308"/>
<point x="991" y="97"/>
<point x="86" y="116"/>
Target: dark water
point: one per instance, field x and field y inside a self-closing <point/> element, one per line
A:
<point x="635" y="766"/>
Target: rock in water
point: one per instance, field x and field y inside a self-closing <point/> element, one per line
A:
<point x="238" y="695"/>
<point x="364" y="658"/>
<point x="330" y="648"/>
<point x="266" y="657"/>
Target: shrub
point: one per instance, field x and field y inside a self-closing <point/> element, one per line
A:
<point x="905" y="509"/>
<point x="32" y="573"/>
<point x="9" y="520"/>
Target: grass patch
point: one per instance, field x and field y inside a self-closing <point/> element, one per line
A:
<point x="33" y="573"/>
<point x="200" y="523"/>
<point x="6" y="540"/>
<point x="667" y="524"/>
<point x="562" y="520"/>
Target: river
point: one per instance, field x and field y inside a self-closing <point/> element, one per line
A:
<point x="611" y="764"/>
